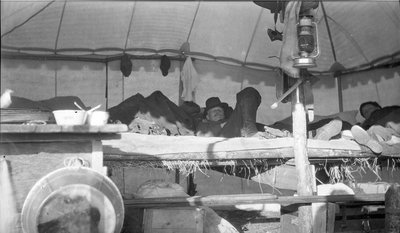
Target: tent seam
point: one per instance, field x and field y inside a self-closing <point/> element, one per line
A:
<point x="130" y="25"/>
<point x="194" y="19"/>
<point x="329" y="32"/>
<point x="353" y="41"/>
<point x="253" y="34"/>
<point x="59" y="26"/>
<point x="27" y="20"/>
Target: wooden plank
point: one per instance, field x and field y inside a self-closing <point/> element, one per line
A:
<point x="173" y="220"/>
<point x="229" y="200"/>
<point x="30" y="162"/>
<point x="56" y="137"/>
<point x="97" y="157"/>
<point x="132" y="146"/>
<point x="305" y="176"/>
<point x="323" y="217"/>
<point x="37" y="148"/>
<point x="392" y="209"/>
<point x="159" y="144"/>
<point x="116" y="174"/>
<point x="53" y="128"/>
<point x="113" y="154"/>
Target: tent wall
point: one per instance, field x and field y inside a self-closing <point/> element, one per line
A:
<point x="380" y="85"/>
<point x="41" y="79"/>
<point x="145" y="78"/>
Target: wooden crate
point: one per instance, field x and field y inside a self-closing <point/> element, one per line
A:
<point x="173" y="220"/>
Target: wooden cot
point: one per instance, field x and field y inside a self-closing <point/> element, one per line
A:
<point x="215" y="151"/>
<point x="132" y="146"/>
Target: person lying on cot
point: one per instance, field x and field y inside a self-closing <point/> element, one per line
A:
<point x="382" y="124"/>
<point x="374" y="114"/>
<point x="323" y="129"/>
<point x="221" y="121"/>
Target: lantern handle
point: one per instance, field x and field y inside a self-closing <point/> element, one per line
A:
<point x="317" y="40"/>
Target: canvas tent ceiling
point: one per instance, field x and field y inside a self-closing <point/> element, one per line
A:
<point x="364" y="34"/>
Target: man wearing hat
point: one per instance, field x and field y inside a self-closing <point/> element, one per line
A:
<point x="220" y="121"/>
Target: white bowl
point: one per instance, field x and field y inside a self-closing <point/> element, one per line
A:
<point x="70" y="117"/>
<point x="98" y="118"/>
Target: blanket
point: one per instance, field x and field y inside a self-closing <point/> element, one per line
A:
<point x="155" y="114"/>
<point x="55" y="103"/>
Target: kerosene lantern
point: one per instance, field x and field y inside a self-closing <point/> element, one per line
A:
<point x="307" y="42"/>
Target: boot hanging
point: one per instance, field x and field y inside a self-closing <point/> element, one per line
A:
<point x="126" y="65"/>
<point x="165" y="64"/>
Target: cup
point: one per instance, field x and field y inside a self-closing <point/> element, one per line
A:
<point x="98" y="118"/>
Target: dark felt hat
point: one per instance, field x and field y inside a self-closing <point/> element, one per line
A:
<point x="165" y="65"/>
<point x="213" y="102"/>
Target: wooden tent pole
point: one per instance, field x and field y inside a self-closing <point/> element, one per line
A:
<point x="340" y="92"/>
<point x="392" y="209"/>
<point x="106" y="91"/>
<point x="304" y="185"/>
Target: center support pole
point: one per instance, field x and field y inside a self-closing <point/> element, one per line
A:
<point x="304" y="171"/>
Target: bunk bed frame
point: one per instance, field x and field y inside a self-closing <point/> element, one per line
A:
<point x="135" y="147"/>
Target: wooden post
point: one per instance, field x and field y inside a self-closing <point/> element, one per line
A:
<point x="392" y="209"/>
<point x="97" y="157"/>
<point x="304" y="185"/>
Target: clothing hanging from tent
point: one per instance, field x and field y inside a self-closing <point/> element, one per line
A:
<point x="190" y="79"/>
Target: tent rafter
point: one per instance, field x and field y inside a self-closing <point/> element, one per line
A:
<point x="393" y="60"/>
<point x="194" y="19"/>
<point x="57" y="30"/>
<point x="130" y="25"/>
<point x="28" y="19"/>
<point x="350" y="37"/>
<point x="329" y="31"/>
<point x="59" y="24"/>
<point x="253" y="34"/>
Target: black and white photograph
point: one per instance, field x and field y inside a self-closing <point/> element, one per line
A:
<point x="140" y="116"/>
